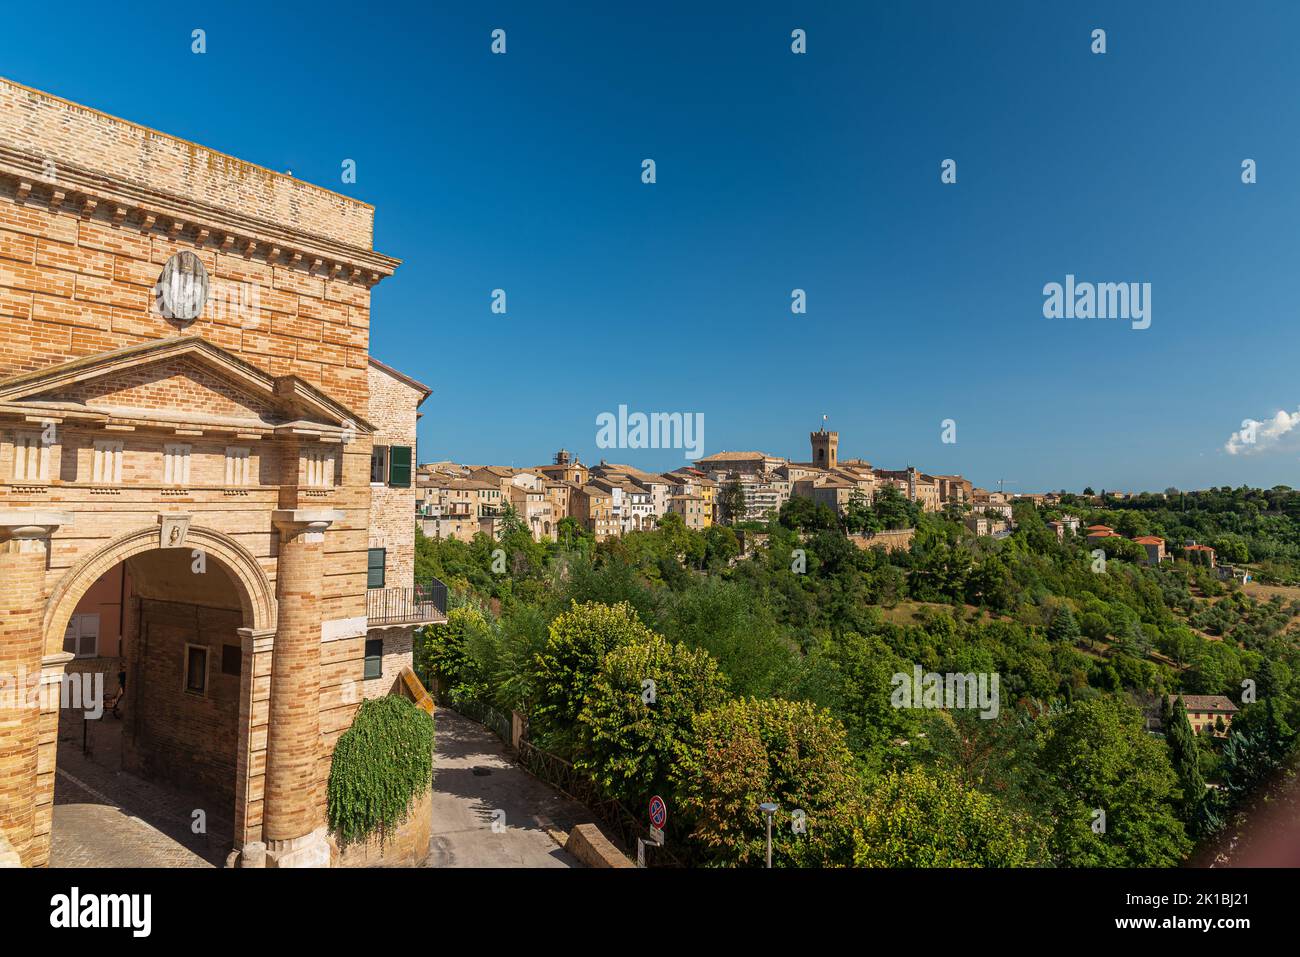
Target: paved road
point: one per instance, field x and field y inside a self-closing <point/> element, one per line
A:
<point x="472" y="779"/>
<point x="106" y="817"/>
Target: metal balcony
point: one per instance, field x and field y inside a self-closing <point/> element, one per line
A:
<point x="423" y="604"/>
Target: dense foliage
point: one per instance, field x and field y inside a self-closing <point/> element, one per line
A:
<point x="380" y="765"/>
<point x="808" y="631"/>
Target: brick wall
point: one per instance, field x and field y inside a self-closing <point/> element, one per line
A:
<point x="71" y="287"/>
<point x="66" y="133"/>
<point x="83" y="240"/>
<point x="393" y="411"/>
<point x="175" y="735"/>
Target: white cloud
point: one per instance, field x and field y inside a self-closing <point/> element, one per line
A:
<point x="1279" y="432"/>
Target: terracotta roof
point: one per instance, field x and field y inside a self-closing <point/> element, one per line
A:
<point x="1198" y="548"/>
<point x="1205" y="702"/>
<point x="736" y="456"/>
<point x="1150" y="540"/>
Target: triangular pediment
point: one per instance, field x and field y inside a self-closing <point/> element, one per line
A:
<point x="186" y="380"/>
<point x="176" y="383"/>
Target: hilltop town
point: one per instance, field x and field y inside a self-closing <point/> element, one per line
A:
<point x="609" y="499"/>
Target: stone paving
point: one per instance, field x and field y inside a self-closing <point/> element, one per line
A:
<point x="107" y="817"/>
<point x="473" y="779"/>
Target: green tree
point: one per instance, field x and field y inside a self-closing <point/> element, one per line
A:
<point x="721" y="544"/>
<point x="928" y="818"/>
<point x="631" y="733"/>
<point x="575" y="649"/>
<point x="444" y="652"/>
<point x="806" y="515"/>
<point x="731" y="502"/>
<point x="1185" y="758"/>
<point x="791" y="753"/>
<point x="1099" y="757"/>
<point x="570" y="532"/>
<point x="1063" y="629"/>
<point x="893" y="510"/>
<point x="511" y="523"/>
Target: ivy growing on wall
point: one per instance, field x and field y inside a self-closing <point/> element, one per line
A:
<point x="380" y="764"/>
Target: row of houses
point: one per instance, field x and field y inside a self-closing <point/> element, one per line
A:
<point x="769" y="481"/>
<point x="611" y="499"/>
<point x="608" y="499"/>
<point x="1155" y="546"/>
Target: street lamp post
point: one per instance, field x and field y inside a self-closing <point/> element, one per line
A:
<point x="768" y="809"/>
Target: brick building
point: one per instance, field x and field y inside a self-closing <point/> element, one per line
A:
<point x="185" y="417"/>
<point x="395" y="604"/>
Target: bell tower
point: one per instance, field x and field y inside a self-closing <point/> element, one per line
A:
<point x="825" y="448"/>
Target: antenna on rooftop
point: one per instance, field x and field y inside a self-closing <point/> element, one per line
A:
<point x="1001" y="482"/>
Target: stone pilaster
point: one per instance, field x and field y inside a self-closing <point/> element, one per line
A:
<point x="250" y="765"/>
<point x="24" y="555"/>
<point x="52" y="671"/>
<point x="293" y="814"/>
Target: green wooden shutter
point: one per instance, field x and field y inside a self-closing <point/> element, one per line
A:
<point x="375" y="568"/>
<point x="399" y="466"/>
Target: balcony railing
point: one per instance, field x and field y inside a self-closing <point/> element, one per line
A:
<point x="423" y="604"/>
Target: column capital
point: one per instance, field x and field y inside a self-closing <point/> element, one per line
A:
<point x="311" y="522"/>
<point x="31" y="525"/>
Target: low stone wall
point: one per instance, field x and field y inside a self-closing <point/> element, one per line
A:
<point x="894" y="540"/>
<point x="407" y="846"/>
<point x="593" y="849"/>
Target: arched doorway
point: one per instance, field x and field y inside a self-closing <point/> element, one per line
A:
<point x="177" y="753"/>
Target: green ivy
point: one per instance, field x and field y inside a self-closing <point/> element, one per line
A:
<point x="380" y="765"/>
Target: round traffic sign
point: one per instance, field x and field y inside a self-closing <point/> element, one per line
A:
<point x="658" y="811"/>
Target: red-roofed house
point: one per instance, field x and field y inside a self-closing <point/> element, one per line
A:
<point x="1155" y="546"/>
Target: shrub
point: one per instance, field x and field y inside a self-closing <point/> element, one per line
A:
<point x="923" y="818"/>
<point x="753" y="750"/>
<point x="446" y="652"/>
<point x="380" y="765"/>
<point x="576" y="646"/>
<point x="628" y="742"/>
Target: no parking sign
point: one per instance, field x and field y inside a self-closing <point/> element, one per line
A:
<point x="658" y="813"/>
<point x="658" y="817"/>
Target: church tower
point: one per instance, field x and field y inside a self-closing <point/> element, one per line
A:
<point x="825" y="448"/>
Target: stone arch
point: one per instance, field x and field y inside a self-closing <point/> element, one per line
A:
<point x="256" y="595"/>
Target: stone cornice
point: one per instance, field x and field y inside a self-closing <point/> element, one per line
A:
<point x="92" y="195"/>
<point x="297" y="403"/>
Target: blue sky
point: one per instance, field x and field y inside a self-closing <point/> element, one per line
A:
<point x="777" y="171"/>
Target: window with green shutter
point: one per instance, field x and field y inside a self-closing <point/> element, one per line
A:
<point x="375" y="568"/>
<point x="399" y="466"/>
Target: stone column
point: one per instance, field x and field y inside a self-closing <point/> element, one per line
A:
<point x="293" y="816"/>
<point x="24" y="554"/>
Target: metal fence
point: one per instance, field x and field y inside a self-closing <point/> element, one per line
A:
<point x="622" y="824"/>
<point x="425" y="602"/>
<point x="485" y="715"/>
